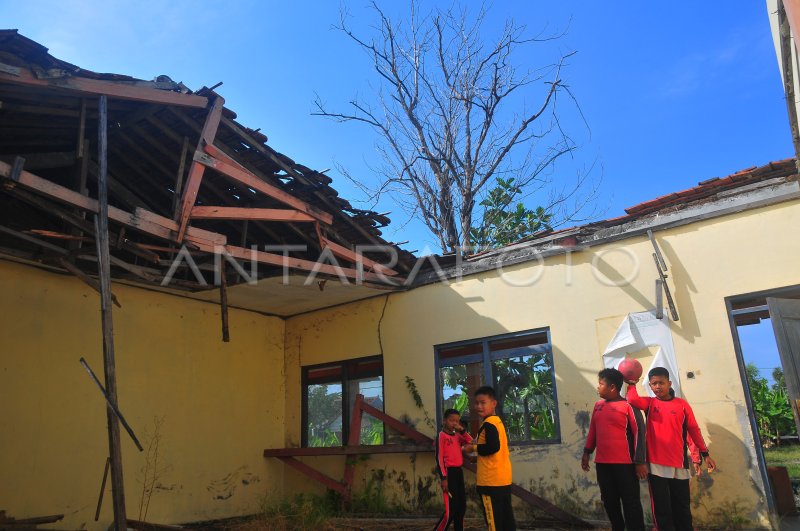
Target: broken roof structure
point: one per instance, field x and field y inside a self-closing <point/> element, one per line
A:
<point x="181" y="171"/>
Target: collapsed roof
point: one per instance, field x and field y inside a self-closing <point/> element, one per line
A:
<point x="181" y="172"/>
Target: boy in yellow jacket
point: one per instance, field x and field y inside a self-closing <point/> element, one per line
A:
<point x="494" y="464"/>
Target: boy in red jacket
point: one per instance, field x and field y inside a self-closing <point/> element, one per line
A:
<point x="449" y="460"/>
<point x="670" y="425"/>
<point x="617" y="431"/>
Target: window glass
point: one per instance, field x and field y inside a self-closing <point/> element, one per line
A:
<point x="457" y="383"/>
<point x="329" y="395"/>
<point x="519" y="367"/>
<point x="324" y="415"/>
<point x="525" y="398"/>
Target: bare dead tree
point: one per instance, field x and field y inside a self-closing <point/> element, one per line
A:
<point x="453" y="113"/>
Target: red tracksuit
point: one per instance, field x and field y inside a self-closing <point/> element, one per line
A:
<point x="671" y="430"/>
<point x="449" y="460"/>
<point x="617" y="431"/>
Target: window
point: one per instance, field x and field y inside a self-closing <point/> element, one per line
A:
<point x="519" y="367"/>
<point x="327" y="387"/>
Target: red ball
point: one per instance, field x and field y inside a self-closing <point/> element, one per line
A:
<point x="631" y="369"/>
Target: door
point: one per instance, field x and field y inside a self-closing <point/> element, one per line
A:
<point x="785" y="316"/>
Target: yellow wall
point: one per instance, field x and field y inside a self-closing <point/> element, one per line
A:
<point x="220" y="403"/>
<point x="708" y="261"/>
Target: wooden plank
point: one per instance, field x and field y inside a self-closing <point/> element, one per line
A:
<point x="348" y="450"/>
<point x="114" y="89"/>
<point x="347" y="254"/>
<point x="353" y="439"/>
<point x="193" y="234"/>
<point x="54" y="159"/>
<point x="71" y="197"/>
<point x="552" y="510"/>
<point x="257" y="214"/>
<point x="314" y="474"/>
<point x="102" y="490"/>
<point x="227" y="166"/>
<point x="81" y="129"/>
<point x="396" y="425"/>
<point x="273" y="156"/>
<point x="32" y="521"/>
<point x="196" y="171"/>
<point x="76" y="221"/>
<point x="148" y="526"/>
<point x="89" y="281"/>
<point x="109" y="363"/>
<point x="179" y="176"/>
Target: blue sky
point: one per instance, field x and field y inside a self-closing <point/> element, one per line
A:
<point x="673" y="93"/>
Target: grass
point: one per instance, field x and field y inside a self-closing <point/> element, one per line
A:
<point x="786" y="455"/>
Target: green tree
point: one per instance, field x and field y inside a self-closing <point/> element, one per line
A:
<point x="324" y="412"/>
<point x="771" y="407"/>
<point x="503" y="223"/>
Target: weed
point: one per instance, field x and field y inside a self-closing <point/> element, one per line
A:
<point x="303" y="511"/>
<point x="729" y="515"/>
<point x="153" y="469"/>
<point x="412" y="388"/>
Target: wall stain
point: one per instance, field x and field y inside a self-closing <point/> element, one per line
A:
<point x="225" y="488"/>
<point x="582" y="421"/>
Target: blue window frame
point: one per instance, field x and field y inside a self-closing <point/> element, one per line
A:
<point x="520" y="368"/>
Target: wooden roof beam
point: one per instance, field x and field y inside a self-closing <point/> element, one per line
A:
<point x="273" y="156"/>
<point x="219" y="161"/>
<point x="113" y="89"/>
<point x="196" y="171"/>
<point x="142" y="220"/>
<point x="242" y="213"/>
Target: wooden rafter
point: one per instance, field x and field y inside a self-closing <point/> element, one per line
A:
<point x="352" y="256"/>
<point x="240" y="213"/>
<point x="151" y="223"/>
<point x="165" y="228"/>
<point x="114" y="89"/>
<point x="196" y="172"/>
<point x="216" y="159"/>
<point x="273" y="156"/>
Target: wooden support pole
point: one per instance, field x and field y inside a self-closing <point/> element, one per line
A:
<point x="92" y="283"/>
<point x="79" y="151"/>
<point x="82" y="173"/>
<point x="179" y="177"/>
<point x="328" y="481"/>
<point x="109" y="364"/>
<point x="353" y="439"/>
<point x="223" y="301"/>
<point x="102" y="490"/>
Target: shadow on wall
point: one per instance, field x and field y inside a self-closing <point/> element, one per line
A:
<point x="733" y="458"/>
<point x="682" y="288"/>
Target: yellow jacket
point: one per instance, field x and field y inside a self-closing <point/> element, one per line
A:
<point x="494" y="464"/>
